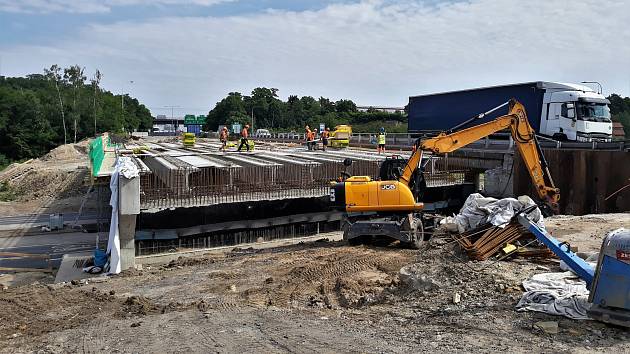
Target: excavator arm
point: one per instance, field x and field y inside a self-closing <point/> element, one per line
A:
<point x="523" y="135"/>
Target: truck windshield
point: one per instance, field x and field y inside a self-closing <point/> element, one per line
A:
<point x="595" y="112"/>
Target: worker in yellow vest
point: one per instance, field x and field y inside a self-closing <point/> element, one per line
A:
<point x="381" y="141"/>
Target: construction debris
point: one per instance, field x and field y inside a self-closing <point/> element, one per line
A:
<point x="487" y="240"/>
<point x="550" y="327"/>
<point x="561" y="294"/>
<point x="479" y="210"/>
<point x="486" y="228"/>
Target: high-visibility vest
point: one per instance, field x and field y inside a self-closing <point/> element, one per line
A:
<point x="381" y="139"/>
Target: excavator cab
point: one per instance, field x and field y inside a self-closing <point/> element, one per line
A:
<point x="392" y="169"/>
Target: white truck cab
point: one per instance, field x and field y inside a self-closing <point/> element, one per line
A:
<point x="575" y="112"/>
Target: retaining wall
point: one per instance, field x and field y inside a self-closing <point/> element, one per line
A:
<point x="585" y="179"/>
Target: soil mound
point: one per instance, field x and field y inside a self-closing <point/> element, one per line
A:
<point x="65" y="152"/>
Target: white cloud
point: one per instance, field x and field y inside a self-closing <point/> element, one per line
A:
<point x="377" y="53"/>
<point x="89" y="6"/>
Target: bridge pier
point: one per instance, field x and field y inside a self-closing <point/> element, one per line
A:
<point x="128" y="210"/>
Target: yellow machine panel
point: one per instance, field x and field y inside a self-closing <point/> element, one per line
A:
<point x="362" y="194"/>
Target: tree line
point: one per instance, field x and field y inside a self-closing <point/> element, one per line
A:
<point x="263" y="108"/>
<point x="620" y="111"/>
<point x="41" y="111"/>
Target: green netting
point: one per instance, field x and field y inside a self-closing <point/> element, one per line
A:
<point x="97" y="154"/>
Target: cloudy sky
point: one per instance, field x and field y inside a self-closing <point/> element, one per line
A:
<point x="191" y="53"/>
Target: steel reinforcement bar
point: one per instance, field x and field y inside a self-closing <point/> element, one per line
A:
<point x="179" y="186"/>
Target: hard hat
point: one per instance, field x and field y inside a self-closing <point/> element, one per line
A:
<point x="382" y="129"/>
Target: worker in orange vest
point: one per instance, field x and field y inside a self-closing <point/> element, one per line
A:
<point x="324" y="136"/>
<point x="223" y="136"/>
<point x="244" y="135"/>
<point x="309" y="138"/>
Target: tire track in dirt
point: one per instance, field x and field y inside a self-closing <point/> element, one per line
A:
<point x="93" y="340"/>
<point x="37" y="310"/>
<point x="318" y="279"/>
<point x="220" y="303"/>
<point x="283" y="336"/>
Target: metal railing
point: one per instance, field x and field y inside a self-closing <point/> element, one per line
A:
<point x="399" y="140"/>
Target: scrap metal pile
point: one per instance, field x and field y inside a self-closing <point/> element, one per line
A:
<point x="487" y="228"/>
<point x="512" y="239"/>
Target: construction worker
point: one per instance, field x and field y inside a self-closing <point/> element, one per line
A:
<point x="381" y="141"/>
<point x="244" y="135"/>
<point x="325" y="135"/>
<point x="223" y="136"/>
<point x="309" y="137"/>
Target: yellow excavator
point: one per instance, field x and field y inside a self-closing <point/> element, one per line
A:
<point x="391" y="207"/>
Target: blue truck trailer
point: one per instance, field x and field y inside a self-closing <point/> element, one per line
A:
<point x="558" y="110"/>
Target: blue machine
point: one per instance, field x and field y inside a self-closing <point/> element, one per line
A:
<point x="609" y="282"/>
<point x="610" y="294"/>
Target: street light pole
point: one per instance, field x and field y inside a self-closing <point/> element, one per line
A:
<point x="122" y="103"/>
<point x="594" y="82"/>
<point x="173" y="117"/>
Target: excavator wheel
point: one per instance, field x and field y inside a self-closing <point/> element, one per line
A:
<point x="417" y="229"/>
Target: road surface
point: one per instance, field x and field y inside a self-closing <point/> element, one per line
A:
<point x="53" y="244"/>
<point x="42" y="218"/>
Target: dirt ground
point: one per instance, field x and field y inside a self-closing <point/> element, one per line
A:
<point x="313" y="297"/>
<point x="54" y="183"/>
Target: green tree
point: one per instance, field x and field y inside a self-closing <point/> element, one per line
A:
<point x="228" y="110"/>
<point x="54" y="74"/>
<point x="33" y="111"/>
<point x="620" y="111"/>
<point x="24" y="132"/>
<point x="345" y="106"/>
<point x="326" y="106"/>
<point x="96" y="80"/>
<point x="75" y="76"/>
<point x="271" y="112"/>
